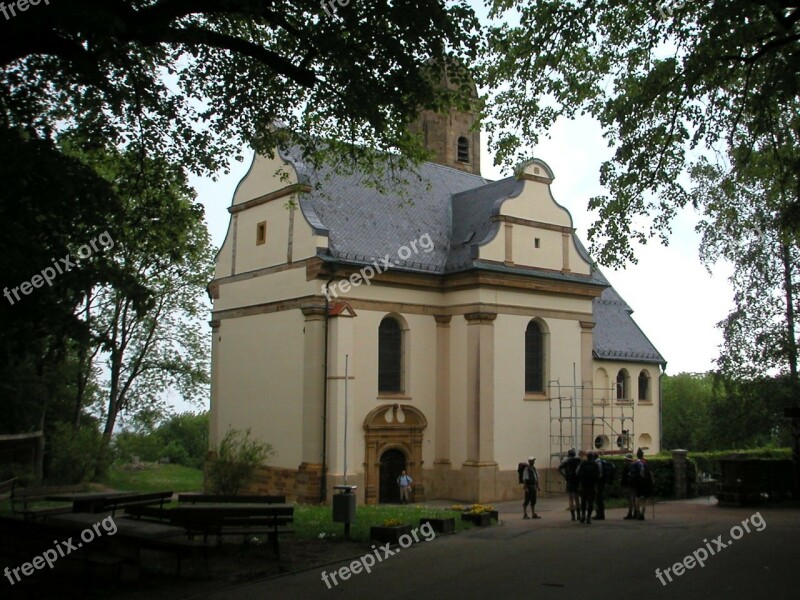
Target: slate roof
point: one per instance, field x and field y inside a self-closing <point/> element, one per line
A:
<point x="616" y="334"/>
<point x="454" y="208"/>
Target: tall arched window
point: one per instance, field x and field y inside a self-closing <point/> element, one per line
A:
<point x="623" y="385"/>
<point x="644" y="386"/>
<point x="534" y="358"/>
<point x="463" y="149"/>
<point x="390" y="356"/>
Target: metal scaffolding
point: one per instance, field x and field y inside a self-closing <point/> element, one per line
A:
<point x="588" y="418"/>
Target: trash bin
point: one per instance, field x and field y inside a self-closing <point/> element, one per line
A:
<point x="344" y="506"/>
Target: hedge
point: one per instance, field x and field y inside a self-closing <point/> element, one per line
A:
<point x="708" y="462"/>
<point x="663" y="476"/>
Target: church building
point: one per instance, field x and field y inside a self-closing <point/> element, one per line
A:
<point x="452" y="330"/>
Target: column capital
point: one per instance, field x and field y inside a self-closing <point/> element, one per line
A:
<point x="587" y="324"/>
<point x="443" y="319"/>
<point x="313" y="310"/>
<point x="481" y="316"/>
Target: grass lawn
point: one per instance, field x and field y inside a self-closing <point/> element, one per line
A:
<point x="311" y="521"/>
<point x="155" y="478"/>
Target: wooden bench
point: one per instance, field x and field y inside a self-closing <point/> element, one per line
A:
<point x="22" y="498"/>
<point x="7" y="489"/>
<point x="225" y="519"/>
<point x="136" y="500"/>
<point x="193" y="498"/>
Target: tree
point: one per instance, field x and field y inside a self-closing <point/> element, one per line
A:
<point x="194" y="80"/>
<point x="685" y="410"/>
<point x="53" y="205"/>
<point x="665" y="86"/>
<point x="747" y="223"/>
<point x="190" y="81"/>
<point x="148" y="334"/>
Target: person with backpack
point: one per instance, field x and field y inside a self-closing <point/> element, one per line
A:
<point x="635" y="479"/>
<point x="567" y="470"/>
<point x="588" y="474"/>
<point x="644" y="490"/>
<point x="530" y="479"/>
<point x="607" y="472"/>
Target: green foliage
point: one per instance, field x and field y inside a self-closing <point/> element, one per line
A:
<point x="193" y="82"/>
<point x="183" y="438"/>
<point x="685" y="410"/>
<point x="236" y="460"/>
<point x="708" y="462"/>
<point x="154" y="478"/>
<point x="187" y="433"/>
<point x="73" y="454"/>
<point x="703" y="412"/>
<point x="315" y="521"/>
<point x="663" y="88"/>
<point x="25" y="477"/>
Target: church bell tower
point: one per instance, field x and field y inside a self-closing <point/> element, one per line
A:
<point x="450" y="136"/>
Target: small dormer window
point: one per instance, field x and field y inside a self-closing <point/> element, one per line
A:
<point x="463" y="150"/>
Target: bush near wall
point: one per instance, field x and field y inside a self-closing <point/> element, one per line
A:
<point x="698" y="462"/>
<point x="708" y="462"/>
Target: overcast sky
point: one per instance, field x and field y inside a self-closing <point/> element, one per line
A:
<point x="675" y="300"/>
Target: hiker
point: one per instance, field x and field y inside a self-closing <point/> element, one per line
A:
<point x="634" y="469"/>
<point x="567" y="470"/>
<point x="588" y="474"/>
<point x="626" y="485"/>
<point x="644" y="490"/>
<point x="530" y="479"/>
<point x="404" y="481"/>
<point x="607" y="472"/>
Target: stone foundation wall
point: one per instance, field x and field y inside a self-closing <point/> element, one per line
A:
<point x="478" y="483"/>
<point x="298" y="485"/>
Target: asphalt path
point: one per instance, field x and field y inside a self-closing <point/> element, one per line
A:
<point x="555" y="558"/>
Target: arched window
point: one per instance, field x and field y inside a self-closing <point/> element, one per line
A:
<point x="534" y="358"/>
<point x="390" y="356"/>
<point x="623" y="385"/>
<point x="463" y="150"/>
<point x="644" y="386"/>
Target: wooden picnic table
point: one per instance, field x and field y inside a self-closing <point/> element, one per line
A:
<point x="132" y="535"/>
<point x="88" y="502"/>
<point x="226" y="518"/>
<point x="94" y="502"/>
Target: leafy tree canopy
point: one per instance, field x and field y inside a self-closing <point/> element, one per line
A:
<point x="193" y="80"/>
<point x="665" y="85"/>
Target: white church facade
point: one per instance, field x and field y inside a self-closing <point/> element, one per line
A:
<point x="452" y="336"/>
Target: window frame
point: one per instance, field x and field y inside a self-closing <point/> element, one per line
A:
<point x="529" y="359"/>
<point x="462" y="149"/>
<point x="398" y="370"/>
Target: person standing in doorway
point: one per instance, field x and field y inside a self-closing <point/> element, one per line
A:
<point x="530" y="479"/>
<point x="404" y="481"/>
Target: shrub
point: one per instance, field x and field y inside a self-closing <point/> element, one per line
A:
<point x="73" y="454"/>
<point x="236" y="460"/>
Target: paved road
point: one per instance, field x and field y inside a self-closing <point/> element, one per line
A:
<point x="554" y="558"/>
